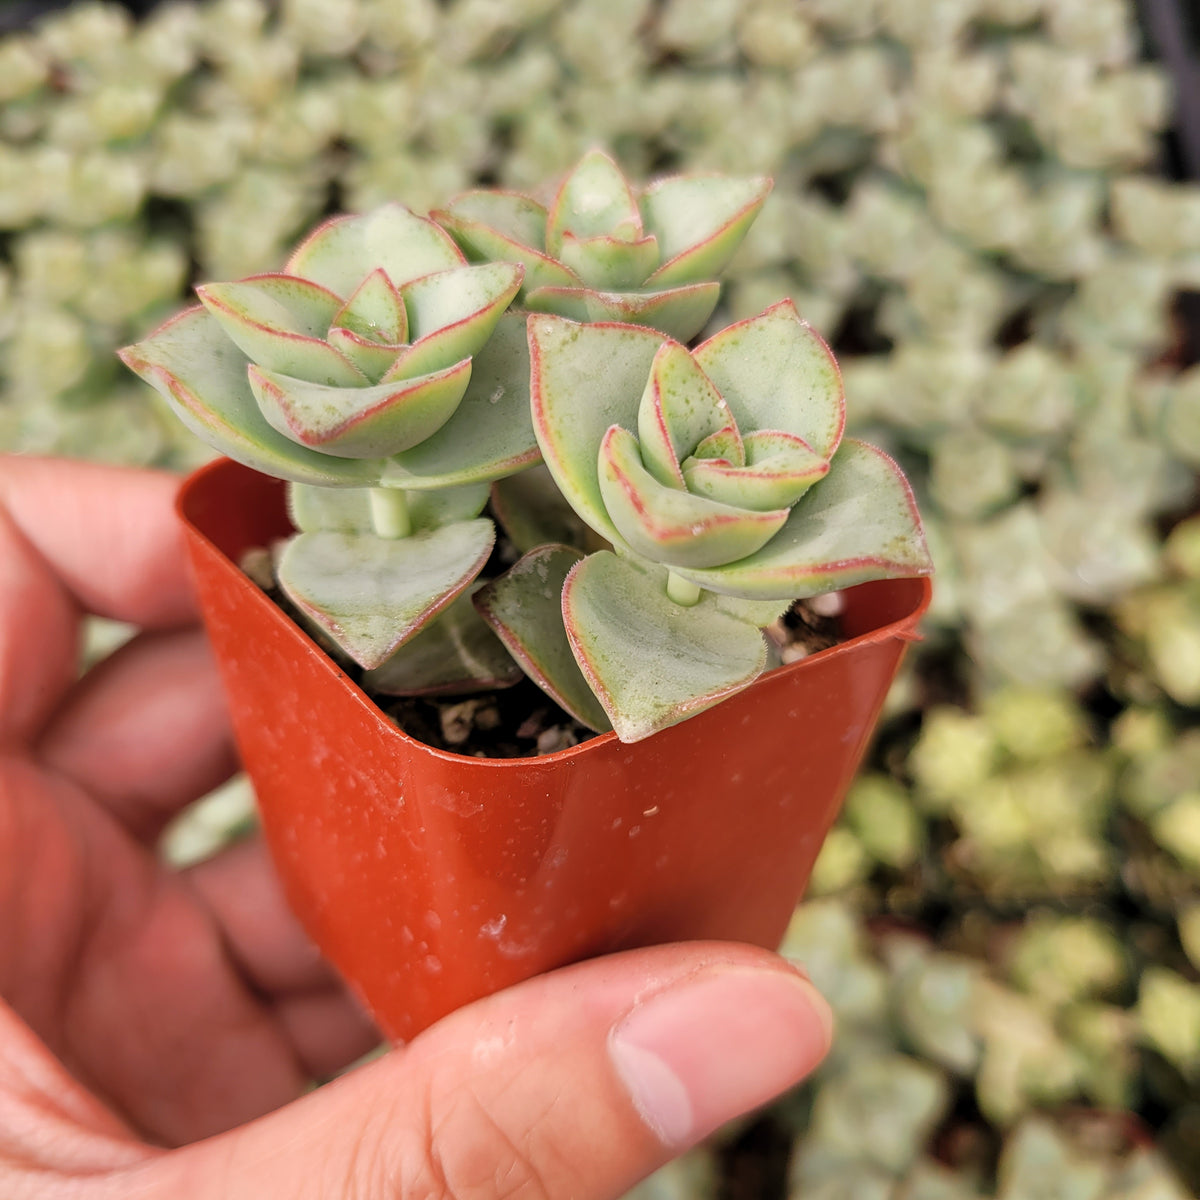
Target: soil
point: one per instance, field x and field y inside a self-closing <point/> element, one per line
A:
<point x="522" y="721"/>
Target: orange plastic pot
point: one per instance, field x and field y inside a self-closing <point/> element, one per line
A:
<point x="430" y="879"/>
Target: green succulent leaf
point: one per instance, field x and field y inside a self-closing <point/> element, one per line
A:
<point x="280" y="322"/>
<point x="594" y="200"/>
<point x="524" y="607"/>
<point x="532" y="512"/>
<point x="371" y="594"/>
<point x="457" y="653"/>
<point x="202" y="375"/>
<point x="491" y="432"/>
<point x="725" y="444"/>
<point x="373" y="359"/>
<point x="652" y="662"/>
<point x="375" y="311"/>
<point x="679" y="412"/>
<point x="367" y="422"/>
<point x="517" y="217"/>
<point x="776" y="373"/>
<point x="343" y="251"/>
<point x="680" y="312"/>
<point x="451" y="314"/>
<point x="860" y="523"/>
<point x="348" y="510"/>
<point x="584" y="379"/>
<point x="781" y="468"/>
<point x="505" y="227"/>
<point x="670" y="526"/>
<point x="699" y="221"/>
<point x="609" y="263"/>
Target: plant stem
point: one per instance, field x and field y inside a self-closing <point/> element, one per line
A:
<point x="389" y="513"/>
<point x="682" y="591"/>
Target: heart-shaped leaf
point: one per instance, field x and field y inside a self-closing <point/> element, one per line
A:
<point x="343" y="251"/>
<point x="652" y="662"/>
<point x="699" y="220"/>
<point x="776" y="372"/>
<point x="680" y="409"/>
<point x="491" y="432"/>
<point x="524" y="607"/>
<point x="262" y="317"/>
<point x="670" y="526"/>
<point x="860" y="522"/>
<point x="456" y="653"/>
<point x="451" y="314"/>
<point x="369" y="594"/>
<point x="583" y="379"/>
<point x="366" y="422"/>
<point x="348" y="510"/>
<point x="202" y="375"/>
<point x="594" y="200"/>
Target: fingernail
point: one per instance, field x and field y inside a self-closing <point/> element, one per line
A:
<point x="717" y="1045"/>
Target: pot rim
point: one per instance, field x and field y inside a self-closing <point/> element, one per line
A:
<point x="902" y="627"/>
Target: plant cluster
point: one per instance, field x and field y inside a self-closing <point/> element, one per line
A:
<point x="967" y="207"/>
<point x="385" y="378"/>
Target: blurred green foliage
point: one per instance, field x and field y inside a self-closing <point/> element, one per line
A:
<point x="969" y="206"/>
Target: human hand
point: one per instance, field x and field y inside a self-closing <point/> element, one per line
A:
<point x="144" y="1008"/>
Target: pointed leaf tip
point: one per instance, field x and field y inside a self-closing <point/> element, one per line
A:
<point x="595" y="200"/>
<point x="700" y="220"/>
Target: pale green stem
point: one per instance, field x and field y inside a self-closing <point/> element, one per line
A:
<point x="389" y="513"/>
<point x="682" y="591"/>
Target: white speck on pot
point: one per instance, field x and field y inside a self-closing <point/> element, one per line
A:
<point x="495" y="927"/>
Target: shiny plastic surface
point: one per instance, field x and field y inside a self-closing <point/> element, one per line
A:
<point x="430" y="879"/>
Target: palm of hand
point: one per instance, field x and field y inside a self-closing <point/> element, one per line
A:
<point x="189" y="1002"/>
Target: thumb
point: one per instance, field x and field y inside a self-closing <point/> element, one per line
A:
<point x="575" y="1084"/>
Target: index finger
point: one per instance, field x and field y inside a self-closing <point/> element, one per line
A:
<point x="79" y="537"/>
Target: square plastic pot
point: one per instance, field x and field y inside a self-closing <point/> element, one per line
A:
<point x="430" y="879"/>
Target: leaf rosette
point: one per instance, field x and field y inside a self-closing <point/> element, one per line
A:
<point x="345" y="366"/>
<point x="605" y="252"/>
<point x="382" y="367"/>
<point x="723" y="483"/>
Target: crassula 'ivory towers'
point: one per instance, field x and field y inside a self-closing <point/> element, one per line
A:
<point x="391" y="382"/>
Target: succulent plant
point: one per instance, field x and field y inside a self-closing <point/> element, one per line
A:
<point x="721" y="479"/>
<point x="379" y="374"/>
<point x="379" y="364"/>
<point x="602" y="252"/>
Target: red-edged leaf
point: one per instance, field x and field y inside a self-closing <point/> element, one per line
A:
<point x="673" y="527"/>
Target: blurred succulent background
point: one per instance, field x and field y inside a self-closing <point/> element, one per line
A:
<point x="978" y="203"/>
